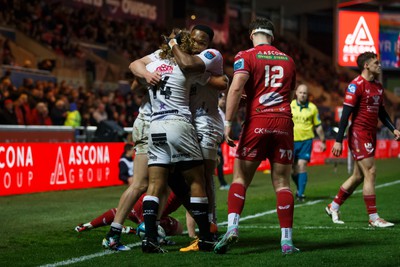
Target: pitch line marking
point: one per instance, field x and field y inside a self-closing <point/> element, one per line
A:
<point x="108" y="252"/>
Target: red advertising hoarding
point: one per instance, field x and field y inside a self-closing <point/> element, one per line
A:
<point x="39" y="167"/>
<point x="358" y="32"/>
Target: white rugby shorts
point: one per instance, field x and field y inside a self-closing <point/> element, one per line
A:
<point x="172" y="141"/>
<point x="140" y="135"/>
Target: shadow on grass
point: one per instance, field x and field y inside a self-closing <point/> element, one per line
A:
<point x="247" y="246"/>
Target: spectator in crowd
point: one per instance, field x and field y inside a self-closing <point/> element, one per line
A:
<point x="306" y="120"/>
<point x="99" y="114"/>
<point x="73" y="118"/>
<point x="126" y="164"/>
<point x="7" y="114"/>
<point x="40" y="115"/>
<point x="58" y="112"/>
<point x="364" y="101"/>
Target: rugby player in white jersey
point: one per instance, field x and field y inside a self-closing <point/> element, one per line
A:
<point x="173" y="144"/>
<point x="204" y="107"/>
<point x="140" y="174"/>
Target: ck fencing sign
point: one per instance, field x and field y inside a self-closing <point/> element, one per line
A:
<point x="358" y="32"/>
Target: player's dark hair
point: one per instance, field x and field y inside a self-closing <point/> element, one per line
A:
<point x="363" y="58"/>
<point x="128" y="147"/>
<point x="205" y="29"/>
<point x="261" y="23"/>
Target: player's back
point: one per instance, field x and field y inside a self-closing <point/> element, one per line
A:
<point x="272" y="77"/>
<point x="170" y="98"/>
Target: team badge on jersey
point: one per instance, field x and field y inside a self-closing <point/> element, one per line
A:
<point x="209" y="55"/>
<point x="351" y="88"/>
<point x="238" y="65"/>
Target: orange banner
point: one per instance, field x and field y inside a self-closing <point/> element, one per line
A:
<point x="358" y="32"/>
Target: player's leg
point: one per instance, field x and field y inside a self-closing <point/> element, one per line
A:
<point x="127" y="200"/>
<point x="280" y="175"/>
<point x="158" y="187"/>
<point x="243" y="173"/>
<point x="199" y="206"/>
<point x="104" y="219"/>
<point x="302" y="178"/>
<point x="345" y="191"/>
<point x="303" y="155"/>
<point x="369" y="169"/>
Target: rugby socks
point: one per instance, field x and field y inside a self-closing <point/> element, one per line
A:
<point x="340" y="198"/>
<point x="150" y="210"/>
<point x="199" y="211"/>
<point x="236" y="198"/>
<point x="370" y="204"/>
<point x="302" y="182"/>
<point x="286" y="234"/>
<point x="285" y="208"/>
<point x="104" y="219"/>
<point x="115" y="229"/>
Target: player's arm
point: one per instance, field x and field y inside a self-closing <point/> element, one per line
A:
<point x="138" y="68"/>
<point x="232" y="104"/>
<point x="320" y="132"/>
<point x="219" y="83"/>
<point x="385" y="119"/>
<point x="344" y="121"/>
<point x="187" y="63"/>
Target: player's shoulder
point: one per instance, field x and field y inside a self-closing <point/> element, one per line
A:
<point x="211" y="53"/>
<point x="311" y="105"/>
<point x="355" y="84"/>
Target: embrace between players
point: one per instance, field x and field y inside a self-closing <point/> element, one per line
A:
<point x="179" y="128"/>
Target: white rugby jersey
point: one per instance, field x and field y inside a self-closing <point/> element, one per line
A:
<point x="170" y="98"/>
<point x="145" y="109"/>
<point x="203" y="99"/>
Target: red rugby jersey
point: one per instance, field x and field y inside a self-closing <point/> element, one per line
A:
<point x="272" y="78"/>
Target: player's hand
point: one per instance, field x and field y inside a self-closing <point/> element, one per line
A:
<point x="228" y="134"/>
<point x="153" y="78"/>
<point x="337" y="149"/>
<point x="396" y="135"/>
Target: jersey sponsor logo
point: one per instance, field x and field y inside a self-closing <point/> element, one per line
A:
<point x="376" y="99"/>
<point x="209" y="55"/>
<point x="159" y="139"/>
<point x="369" y="147"/>
<point x="349" y="97"/>
<point x="271" y="57"/>
<point x="351" y="88"/>
<point x="238" y="65"/>
<point x="181" y="155"/>
<point x="270" y="99"/>
<point x="164" y="68"/>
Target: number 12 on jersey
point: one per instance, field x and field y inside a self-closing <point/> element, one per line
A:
<point x="273" y="75"/>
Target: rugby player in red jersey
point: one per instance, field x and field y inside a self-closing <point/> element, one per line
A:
<point x="364" y="101"/>
<point x="268" y="77"/>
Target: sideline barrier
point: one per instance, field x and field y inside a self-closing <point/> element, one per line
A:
<point x="39" y="167"/>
